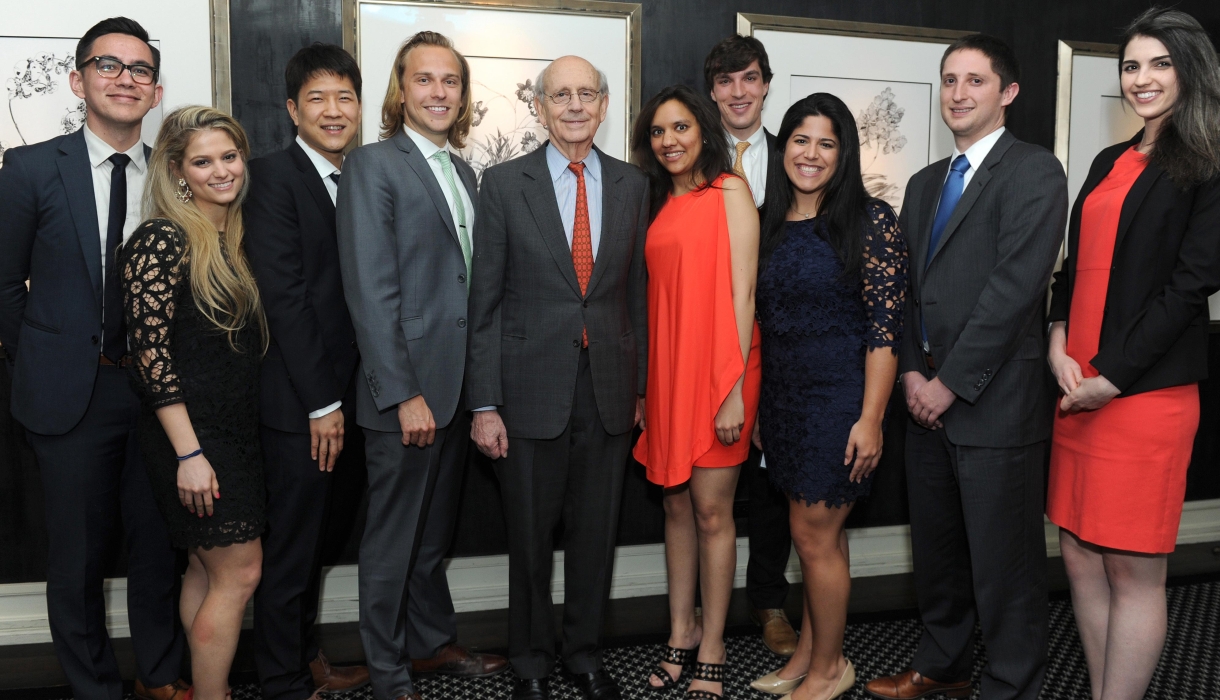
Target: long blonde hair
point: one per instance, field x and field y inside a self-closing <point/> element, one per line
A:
<point x="221" y="281"/>
<point x="392" y="108"/>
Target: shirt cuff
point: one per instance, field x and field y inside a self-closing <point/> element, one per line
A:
<point x="485" y="408"/>
<point x="325" y="411"/>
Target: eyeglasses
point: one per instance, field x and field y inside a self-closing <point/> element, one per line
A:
<point x="565" y="96"/>
<point x="111" y="68"/>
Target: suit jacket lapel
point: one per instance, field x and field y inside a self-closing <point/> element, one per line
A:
<point x="922" y="227"/>
<point x="982" y="175"/>
<point x="313" y="181"/>
<point x="1135" y="197"/>
<point x="540" y="198"/>
<point x="424" y="172"/>
<point x="611" y="209"/>
<point x="75" y="172"/>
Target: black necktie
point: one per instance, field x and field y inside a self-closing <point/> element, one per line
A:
<point x="114" y="343"/>
<point x="335" y="177"/>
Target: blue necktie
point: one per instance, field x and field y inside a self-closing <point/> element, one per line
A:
<point x="950" y="193"/>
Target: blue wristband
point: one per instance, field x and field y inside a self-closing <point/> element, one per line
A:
<point x="196" y="453"/>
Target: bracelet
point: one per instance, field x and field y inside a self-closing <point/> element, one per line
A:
<point x="196" y="453"/>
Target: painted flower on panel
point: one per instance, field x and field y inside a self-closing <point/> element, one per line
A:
<point x="36" y="75"/>
<point x="878" y="127"/>
<point x="526" y="93"/>
<point x="73" y="118"/>
<point x="530" y="142"/>
<point x="479" y="112"/>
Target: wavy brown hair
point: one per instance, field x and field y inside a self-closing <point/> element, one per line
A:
<point x="221" y="281"/>
<point x="392" y="108"/>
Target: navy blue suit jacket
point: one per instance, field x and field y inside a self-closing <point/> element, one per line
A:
<point x="49" y="235"/>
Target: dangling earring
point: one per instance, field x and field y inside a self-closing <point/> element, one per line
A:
<point x="184" y="193"/>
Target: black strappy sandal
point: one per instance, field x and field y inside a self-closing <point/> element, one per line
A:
<point x="677" y="657"/>
<point x="713" y="673"/>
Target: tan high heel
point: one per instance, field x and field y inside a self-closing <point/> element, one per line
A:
<point x="846" y="682"/>
<point x="773" y="684"/>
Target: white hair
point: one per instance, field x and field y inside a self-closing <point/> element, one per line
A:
<point x="603" y="85"/>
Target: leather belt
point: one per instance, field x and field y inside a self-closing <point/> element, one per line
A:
<point x="124" y="361"/>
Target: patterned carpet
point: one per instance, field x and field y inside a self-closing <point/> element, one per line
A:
<point x="1189" y="668"/>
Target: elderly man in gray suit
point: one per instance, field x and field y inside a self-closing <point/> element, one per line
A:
<point x="406" y="205"/>
<point x="985" y="226"/>
<point x="557" y="354"/>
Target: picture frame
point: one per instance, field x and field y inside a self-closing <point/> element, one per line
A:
<point x="37" y="53"/>
<point x="507" y="43"/>
<point x="888" y="75"/>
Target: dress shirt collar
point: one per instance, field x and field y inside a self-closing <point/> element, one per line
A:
<point x="557" y="163"/>
<point x="426" y="147"/>
<point x="977" y="153"/>
<point x="759" y="137"/>
<point x="325" y="167"/>
<point x="99" y="151"/>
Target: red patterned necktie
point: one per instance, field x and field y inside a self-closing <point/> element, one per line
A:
<point x="582" y="238"/>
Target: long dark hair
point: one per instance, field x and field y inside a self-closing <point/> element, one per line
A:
<point x="844" y="200"/>
<point x="1187" y="147"/>
<point x="713" y="159"/>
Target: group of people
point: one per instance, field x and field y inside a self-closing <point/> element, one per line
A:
<point x="181" y="318"/>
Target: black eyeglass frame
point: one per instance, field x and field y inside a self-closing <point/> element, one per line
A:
<point x="96" y="60"/>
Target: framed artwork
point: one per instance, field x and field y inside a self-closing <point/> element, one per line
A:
<point x="37" y="52"/>
<point x="888" y="76"/>
<point x="507" y="42"/>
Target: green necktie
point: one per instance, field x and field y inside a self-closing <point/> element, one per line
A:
<point x="463" y="235"/>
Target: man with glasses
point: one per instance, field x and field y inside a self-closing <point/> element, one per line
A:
<point x="68" y="205"/>
<point x="558" y="348"/>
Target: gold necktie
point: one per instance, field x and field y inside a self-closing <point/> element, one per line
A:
<point x="742" y="147"/>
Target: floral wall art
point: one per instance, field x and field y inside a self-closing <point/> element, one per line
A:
<point x="505" y="123"/>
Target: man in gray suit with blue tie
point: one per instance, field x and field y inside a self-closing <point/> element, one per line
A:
<point x="985" y="227"/>
<point x="406" y="205"/>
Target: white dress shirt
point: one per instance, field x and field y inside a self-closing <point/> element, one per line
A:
<point x="753" y="162"/>
<point x="975" y="155"/>
<point x="137" y="171"/>
<point x="429" y="149"/>
<point x="325" y="170"/>
<point x="564" y="181"/>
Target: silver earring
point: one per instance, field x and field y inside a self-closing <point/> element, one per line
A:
<point x="184" y="193"/>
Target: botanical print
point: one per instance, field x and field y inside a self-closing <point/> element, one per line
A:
<point x="39" y="103"/>
<point x="894" y="122"/>
<point x="505" y="122"/>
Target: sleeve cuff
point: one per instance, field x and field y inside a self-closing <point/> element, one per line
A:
<point x="485" y="408"/>
<point x="325" y="411"/>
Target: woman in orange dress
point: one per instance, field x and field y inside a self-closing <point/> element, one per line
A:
<point x="704" y="367"/>
<point x="1128" y="346"/>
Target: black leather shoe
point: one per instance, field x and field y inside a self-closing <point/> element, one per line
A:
<point x="597" y="685"/>
<point x="531" y="689"/>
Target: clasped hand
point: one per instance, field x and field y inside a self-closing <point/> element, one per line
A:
<point x="927" y="400"/>
<point x="1079" y="394"/>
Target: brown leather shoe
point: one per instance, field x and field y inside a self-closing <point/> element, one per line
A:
<point x="778" y="634"/>
<point x="453" y="660"/>
<point x="336" y="679"/>
<point x="173" y="691"/>
<point x="911" y="684"/>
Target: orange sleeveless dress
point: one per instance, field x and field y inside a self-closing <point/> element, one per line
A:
<point x="1118" y="474"/>
<point x="694" y="354"/>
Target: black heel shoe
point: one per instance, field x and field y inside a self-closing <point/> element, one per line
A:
<point x="677" y="657"/>
<point x="713" y="673"/>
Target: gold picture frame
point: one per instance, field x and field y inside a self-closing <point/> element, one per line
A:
<point x="222" y="80"/>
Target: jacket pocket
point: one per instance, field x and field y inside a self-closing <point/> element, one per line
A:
<point x="412" y="328"/>
<point x="39" y="326"/>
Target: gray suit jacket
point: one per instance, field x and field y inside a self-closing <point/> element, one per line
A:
<point x="526" y="306"/>
<point x="982" y="297"/>
<point x="405" y="281"/>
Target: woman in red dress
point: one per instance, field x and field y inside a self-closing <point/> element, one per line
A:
<point x="1128" y="345"/>
<point x="704" y="367"/>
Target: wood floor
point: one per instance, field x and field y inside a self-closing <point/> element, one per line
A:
<point x="628" y="621"/>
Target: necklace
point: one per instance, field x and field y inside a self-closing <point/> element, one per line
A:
<point x="803" y="214"/>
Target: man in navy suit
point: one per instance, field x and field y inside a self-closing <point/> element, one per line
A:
<point x="307" y="393"/>
<point x="67" y="206"/>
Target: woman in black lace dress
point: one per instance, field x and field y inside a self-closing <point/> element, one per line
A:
<point x="831" y="285"/>
<point x="197" y="335"/>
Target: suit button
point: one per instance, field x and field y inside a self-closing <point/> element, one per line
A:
<point x="93" y="340"/>
<point x="575" y="343"/>
<point x="353" y="344"/>
<point x="462" y="279"/>
<point x="917" y="302"/>
<point x="461" y="323"/>
<point x="585" y="304"/>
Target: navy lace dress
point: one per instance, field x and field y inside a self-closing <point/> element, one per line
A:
<point x="816" y="329"/>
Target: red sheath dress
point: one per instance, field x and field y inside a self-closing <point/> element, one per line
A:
<point x="1118" y="474"/>
<point x="694" y="354"/>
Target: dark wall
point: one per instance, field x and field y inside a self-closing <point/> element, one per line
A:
<point x="676" y="36"/>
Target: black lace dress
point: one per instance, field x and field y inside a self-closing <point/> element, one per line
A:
<point x="182" y="357"/>
<point x="816" y="329"/>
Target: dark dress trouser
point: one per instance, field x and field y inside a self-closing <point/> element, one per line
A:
<point x="92" y="476"/>
<point x="405" y="608"/>
<point x="980" y="556"/>
<point x="770" y="538"/>
<point x="576" y="477"/>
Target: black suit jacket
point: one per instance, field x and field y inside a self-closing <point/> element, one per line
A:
<point x="1154" y="330"/>
<point x="982" y="297"/>
<point x="49" y="234"/>
<point x="290" y="240"/>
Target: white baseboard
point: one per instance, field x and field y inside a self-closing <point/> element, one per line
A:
<point x="481" y="583"/>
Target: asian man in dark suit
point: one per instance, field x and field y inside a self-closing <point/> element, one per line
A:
<point x="308" y="376"/>
<point x="984" y="228"/>
<point x="68" y="204"/>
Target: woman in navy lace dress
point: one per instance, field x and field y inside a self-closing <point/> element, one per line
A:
<point x="831" y="286"/>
